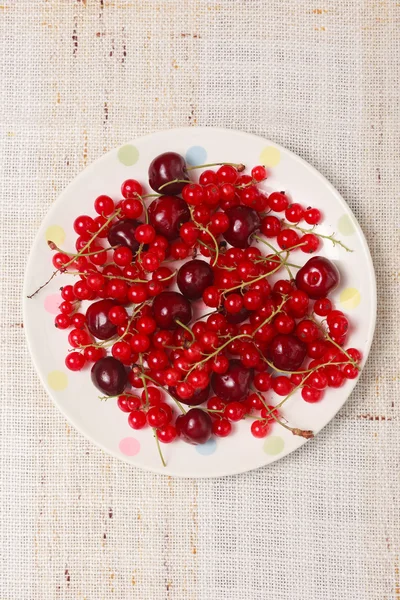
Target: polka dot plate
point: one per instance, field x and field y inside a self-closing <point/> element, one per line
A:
<point x="103" y="422"/>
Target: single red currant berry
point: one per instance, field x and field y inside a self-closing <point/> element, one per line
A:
<point x="335" y="376"/>
<point x="316" y="349"/>
<point x="278" y="201"/>
<point x="309" y="243"/>
<point x="215" y="404"/>
<point x="259" y="173"/>
<point x="189" y="233"/>
<point x="67" y="293"/>
<point x="208" y="176"/>
<point x="219" y="223"/>
<point x="350" y="371"/>
<point x="270" y="226"/>
<point x="122" y="351"/>
<point x="93" y="354"/>
<point x="122" y="256"/>
<point x="312" y="216"/>
<point x="322" y="307"/>
<point x="167" y="433"/>
<point x="66" y="308"/>
<point x="354" y="354"/>
<point x="221" y="427"/>
<point x="307" y="331"/>
<point x="318" y="380"/>
<point x="311" y="395"/>
<point x="152" y="396"/>
<point x="145" y="234"/>
<point x="79" y="321"/>
<point x="234" y="411"/>
<point x="84" y="224"/>
<point x="282" y="385"/>
<point x="137" y="419"/>
<point x="184" y="390"/>
<point x="95" y="281"/>
<point x="193" y="194"/>
<point x="260" y="429"/>
<point x="118" y="315"/>
<point x="137" y="293"/>
<point x="233" y="303"/>
<point x="140" y="343"/>
<point x="131" y="188"/>
<point x="104" y="206"/>
<point x="262" y="381"/>
<point x="284" y="323"/>
<point x="287" y="238"/>
<point x="75" y="361"/>
<point x="294" y="213"/>
<point x="220" y="364"/>
<point x="211" y="297"/>
<point x="59" y="260"/>
<point x="227" y="192"/>
<point x="62" y="321"/>
<point x="211" y="194"/>
<point x="227" y="174"/>
<point x="179" y="250"/>
<point x="157" y="416"/>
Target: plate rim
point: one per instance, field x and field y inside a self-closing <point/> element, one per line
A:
<point x="25" y="301"/>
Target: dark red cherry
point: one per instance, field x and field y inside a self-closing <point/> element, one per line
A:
<point x="234" y="384"/>
<point x="194" y="277"/>
<point x="198" y="397"/>
<point x="97" y="319"/>
<point x="122" y="233"/>
<point x="165" y="168"/>
<point x="167" y="214"/>
<point x="195" y="426"/>
<point x="287" y="352"/>
<point x="243" y="221"/>
<point x="109" y="376"/>
<point x="318" y="277"/>
<point x="168" y="307"/>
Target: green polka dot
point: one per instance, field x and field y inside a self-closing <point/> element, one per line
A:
<point x="273" y="445"/>
<point x="57" y="380"/>
<point x="346" y="225"/>
<point x="350" y="298"/>
<point x="55" y="234"/>
<point x="270" y="156"/>
<point x="128" y="155"/>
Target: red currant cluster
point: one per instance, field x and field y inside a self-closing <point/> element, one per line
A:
<point x="262" y="334"/>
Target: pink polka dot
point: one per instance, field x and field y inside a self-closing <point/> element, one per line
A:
<point x="52" y="302"/>
<point x="129" y="446"/>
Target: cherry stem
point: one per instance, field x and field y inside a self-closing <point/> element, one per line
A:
<point x="186" y="329"/>
<point x="174" y="181"/>
<point x="80" y="253"/>
<point x="159" y="448"/>
<point x="238" y="166"/>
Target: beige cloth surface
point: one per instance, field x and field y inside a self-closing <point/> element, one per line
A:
<point x="80" y="77"/>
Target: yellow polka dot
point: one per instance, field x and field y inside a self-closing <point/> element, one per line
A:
<point x="273" y="445"/>
<point x="55" y="234"/>
<point x="350" y="298"/>
<point x="270" y="156"/>
<point x="346" y="225"/>
<point x="57" y="380"/>
<point x="128" y="155"/>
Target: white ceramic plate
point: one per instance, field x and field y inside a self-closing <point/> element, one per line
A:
<point x="103" y="422"/>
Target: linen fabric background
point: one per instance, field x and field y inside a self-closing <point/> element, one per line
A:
<point x="81" y="77"/>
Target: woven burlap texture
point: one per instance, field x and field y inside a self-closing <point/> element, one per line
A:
<point x="77" y="79"/>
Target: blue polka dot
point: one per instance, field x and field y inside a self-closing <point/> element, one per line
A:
<point x="207" y="448"/>
<point x="196" y="155"/>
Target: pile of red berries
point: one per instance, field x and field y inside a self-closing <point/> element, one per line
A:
<point x="261" y="334"/>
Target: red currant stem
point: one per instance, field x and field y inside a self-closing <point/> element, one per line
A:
<point x="159" y="448"/>
<point x="312" y="230"/>
<point x="238" y="166"/>
<point x="174" y="181"/>
<point x="146" y="393"/>
<point x="110" y="277"/>
<point x="328" y="337"/>
<point x="306" y="433"/>
<point x="248" y="283"/>
<point x="179" y="405"/>
<point x="236" y="337"/>
<point x="272" y="315"/>
<point x="202" y="228"/>
<point x="278" y="252"/>
<point x="269" y="259"/>
<point x="272" y="366"/>
<point x="117" y="396"/>
<point x="287" y="265"/>
<point x="76" y="255"/>
<point x="80" y="253"/>
<point x="252" y="182"/>
<point x="213" y="312"/>
<point x="186" y="329"/>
